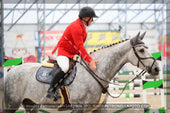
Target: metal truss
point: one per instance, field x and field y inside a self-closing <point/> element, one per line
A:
<point x="54" y="24"/>
<point x="122" y="20"/>
<point x="121" y="15"/>
<point x="104" y="11"/>
<point x="41" y="28"/>
<point x="25" y="11"/>
<point x="11" y="10"/>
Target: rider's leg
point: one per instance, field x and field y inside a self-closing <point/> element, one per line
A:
<point x="63" y="63"/>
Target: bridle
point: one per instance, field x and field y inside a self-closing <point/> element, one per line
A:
<point x="140" y="60"/>
<point x="105" y="89"/>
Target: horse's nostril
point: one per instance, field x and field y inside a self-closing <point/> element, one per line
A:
<point x="156" y="69"/>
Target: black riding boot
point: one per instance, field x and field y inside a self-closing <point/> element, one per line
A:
<point x="58" y="75"/>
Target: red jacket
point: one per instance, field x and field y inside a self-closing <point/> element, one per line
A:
<point x="72" y="41"/>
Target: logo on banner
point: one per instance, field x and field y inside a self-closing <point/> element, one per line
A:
<point x="19" y="52"/>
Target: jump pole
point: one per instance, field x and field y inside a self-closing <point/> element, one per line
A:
<point x="157" y="55"/>
<point x="144" y="91"/>
<point x="162" y="89"/>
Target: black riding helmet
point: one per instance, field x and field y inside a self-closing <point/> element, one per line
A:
<point x="87" y="12"/>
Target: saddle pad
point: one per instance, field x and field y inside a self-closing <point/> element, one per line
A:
<point x="68" y="79"/>
<point x="43" y="75"/>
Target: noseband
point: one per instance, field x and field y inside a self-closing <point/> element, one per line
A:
<point x="140" y="60"/>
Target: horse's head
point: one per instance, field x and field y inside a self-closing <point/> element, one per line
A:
<point x="140" y="56"/>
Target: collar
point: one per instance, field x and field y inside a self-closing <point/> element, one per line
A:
<point x="82" y="24"/>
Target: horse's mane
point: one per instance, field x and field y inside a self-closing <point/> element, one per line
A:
<point x="107" y="46"/>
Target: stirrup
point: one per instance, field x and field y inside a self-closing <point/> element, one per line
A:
<point x="50" y="95"/>
<point x="56" y="97"/>
<point x="50" y="92"/>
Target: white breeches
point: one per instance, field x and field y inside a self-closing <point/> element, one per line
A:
<point x="63" y="63"/>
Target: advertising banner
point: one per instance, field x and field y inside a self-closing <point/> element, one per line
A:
<point x="51" y="40"/>
<point x="20" y="46"/>
<point x="94" y="40"/>
<point x="166" y="54"/>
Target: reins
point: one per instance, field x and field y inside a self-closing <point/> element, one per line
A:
<point x="139" y="75"/>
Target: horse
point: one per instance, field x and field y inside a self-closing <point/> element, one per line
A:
<point x="22" y="88"/>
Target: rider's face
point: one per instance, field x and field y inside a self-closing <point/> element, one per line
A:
<point x="86" y="19"/>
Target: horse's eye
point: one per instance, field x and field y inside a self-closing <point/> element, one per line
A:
<point x="141" y="50"/>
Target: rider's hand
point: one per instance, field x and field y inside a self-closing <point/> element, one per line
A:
<point x="93" y="65"/>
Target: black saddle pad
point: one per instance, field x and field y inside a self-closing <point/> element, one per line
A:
<point x="44" y="75"/>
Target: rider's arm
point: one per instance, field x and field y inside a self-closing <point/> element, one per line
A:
<point x="78" y="39"/>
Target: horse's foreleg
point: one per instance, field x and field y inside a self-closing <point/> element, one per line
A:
<point x="100" y="109"/>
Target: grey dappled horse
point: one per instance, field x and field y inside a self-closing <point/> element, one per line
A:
<point x="21" y="86"/>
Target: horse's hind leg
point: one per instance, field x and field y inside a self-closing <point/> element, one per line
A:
<point x="12" y="108"/>
<point x="30" y="106"/>
<point x="9" y="111"/>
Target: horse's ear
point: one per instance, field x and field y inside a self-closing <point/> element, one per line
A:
<point x="142" y="36"/>
<point x="137" y="35"/>
<point x="134" y="40"/>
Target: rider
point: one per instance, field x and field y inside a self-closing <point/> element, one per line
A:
<point x="70" y="44"/>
